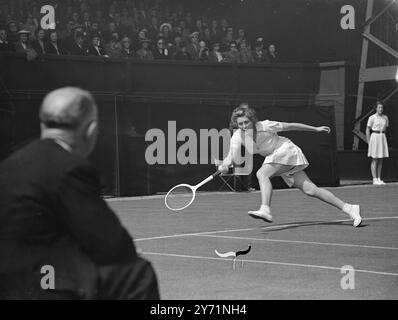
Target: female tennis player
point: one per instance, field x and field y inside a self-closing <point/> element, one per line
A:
<point x="282" y="158"/>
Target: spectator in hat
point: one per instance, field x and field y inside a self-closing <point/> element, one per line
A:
<point x="95" y="49"/>
<point x="78" y="48"/>
<point x="260" y="55"/>
<point x="40" y="43"/>
<point x="114" y="47"/>
<point x="144" y="53"/>
<point x="215" y="55"/>
<point x="23" y="45"/>
<point x="55" y="46"/>
<point x="233" y="55"/>
<point x="246" y="55"/>
<point x="165" y="29"/>
<point x="193" y="48"/>
<point x="161" y="52"/>
<point x="126" y="50"/>
<point x="4" y="44"/>
<point x="183" y="54"/>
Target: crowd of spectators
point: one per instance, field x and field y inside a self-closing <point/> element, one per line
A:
<point x="147" y="30"/>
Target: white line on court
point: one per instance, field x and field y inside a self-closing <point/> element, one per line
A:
<point x="210" y="193"/>
<point x="281" y="226"/>
<point x="298" y="242"/>
<point x="270" y="262"/>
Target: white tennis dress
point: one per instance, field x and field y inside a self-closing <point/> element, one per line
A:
<point x="378" y="147"/>
<point x="275" y="149"/>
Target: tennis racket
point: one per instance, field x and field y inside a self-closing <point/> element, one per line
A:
<point x="181" y="196"/>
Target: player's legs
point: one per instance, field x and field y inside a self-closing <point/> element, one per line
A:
<point x="378" y="170"/>
<point x="373" y="169"/>
<point x="303" y="182"/>
<point x="264" y="174"/>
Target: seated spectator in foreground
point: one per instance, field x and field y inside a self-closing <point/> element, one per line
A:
<point x="215" y="55"/>
<point x="183" y="54"/>
<point x="126" y="50"/>
<point x="12" y="32"/>
<point x="260" y="55"/>
<point x="78" y="48"/>
<point x="40" y="44"/>
<point x="241" y="36"/>
<point x="23" y="45"/>
<point x="145" y="53"/>
<point x="161" y="52"/>
<point x="203" y="52"/>
<point x="245" y="53"/>
<point x="52" y="215"/>
<point x="114" y="47"/>
<point x="55" y="46"/>
<point x="193" y="48"/>
<point x="95" y="49"/>
<point x="272" y="53"/>
<point x="233" y="55"/>
<point x="4" y="44"/>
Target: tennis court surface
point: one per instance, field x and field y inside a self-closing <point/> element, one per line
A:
<point x="299" y="256"/>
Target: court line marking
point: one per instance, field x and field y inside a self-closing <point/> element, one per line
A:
<point x="258" y="228"/>
<point x="211" y="193"/>
<point x="299" y="242"/>
<point x="271" y="262"/>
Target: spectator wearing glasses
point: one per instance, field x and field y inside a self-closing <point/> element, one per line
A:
<point x="233" y="55"/>
<point x="161" y="52"/>
<point x="126" y="51"/>
<point x="145" y="53"/>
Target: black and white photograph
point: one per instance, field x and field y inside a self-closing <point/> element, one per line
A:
<point x="199" y="155"/>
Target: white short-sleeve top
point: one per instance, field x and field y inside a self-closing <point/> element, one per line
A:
<point x="378" y="123"/>
<point x="267" y="138"/>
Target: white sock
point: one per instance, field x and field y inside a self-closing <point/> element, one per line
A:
<point x="265" y="208"/>
<point x="347" y="208"/>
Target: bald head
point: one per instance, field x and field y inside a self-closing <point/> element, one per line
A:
<point x="70" y="115"/>
<point x="67" y="108"/>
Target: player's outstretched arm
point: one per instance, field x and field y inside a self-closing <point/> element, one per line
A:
<point x="304" y="127"/>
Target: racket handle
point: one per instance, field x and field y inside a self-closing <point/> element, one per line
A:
<point x="208" y="179"/>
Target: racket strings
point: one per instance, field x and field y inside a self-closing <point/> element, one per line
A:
<point x="179" y="198"/>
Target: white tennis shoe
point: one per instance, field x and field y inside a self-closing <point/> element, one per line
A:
<point x="355" y="215"/>
<point x="264" y="214"/>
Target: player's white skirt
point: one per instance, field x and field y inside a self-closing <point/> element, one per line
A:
<point x="287" y="153"/>
<point x="378" y="147"/>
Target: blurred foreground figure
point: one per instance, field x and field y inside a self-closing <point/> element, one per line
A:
<point x="58" y="238"/>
